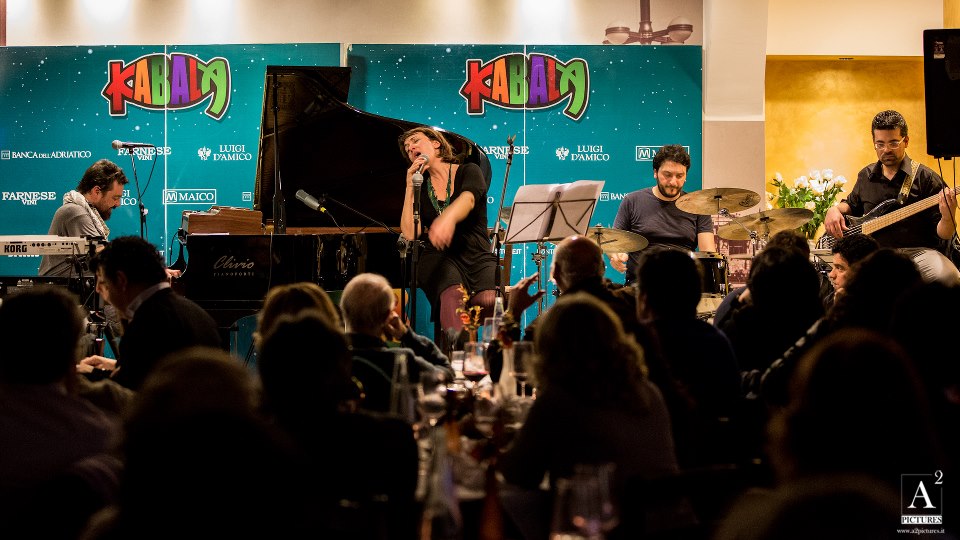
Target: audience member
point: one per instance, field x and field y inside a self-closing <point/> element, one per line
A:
<point x="594" y="403"/>
<point x="367" y="304"/>
<point x="200" y="463"/>
<point x="694" y="353"/>
<point x="46" y="430"/>
<point x="367" y="460"/>
<point x="290" y="299"/>
<point x="157" y="321"/>
<point x="856" y="405"/>
<point x="848" y="251"/>
<point x="870" y="291"/>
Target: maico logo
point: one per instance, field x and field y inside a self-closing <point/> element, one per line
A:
<point x="646" y="153"/>
<point x="190" y="196"/>
<point x="535" y="81"/>
<point x="174" y="81"/>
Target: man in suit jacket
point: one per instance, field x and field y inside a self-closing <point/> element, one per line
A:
<point x="132" y="277"/>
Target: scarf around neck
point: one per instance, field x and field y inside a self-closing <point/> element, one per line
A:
<point x="77" y="198"/>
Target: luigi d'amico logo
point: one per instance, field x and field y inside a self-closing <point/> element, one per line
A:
<point x="168" y="81"/>
<point x="534" y="81"/>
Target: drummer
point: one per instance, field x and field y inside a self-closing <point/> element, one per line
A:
<point x="652" y="212"/>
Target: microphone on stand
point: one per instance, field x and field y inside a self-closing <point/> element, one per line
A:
<point x="311" y="201"/>
<point x="417" y="183"/>
<point x="120" y="145"/>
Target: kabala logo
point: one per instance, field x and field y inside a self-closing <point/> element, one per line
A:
<point x="204" y="153"/>
<point x="519" y="81"/>
<point x="175" y="81"/>
<point x="646" y="153"/>
<point x="562" y="153"/>
<point x="501" y="152"/>
<point x="190" y="196"/>
<point x="29" y="198"/>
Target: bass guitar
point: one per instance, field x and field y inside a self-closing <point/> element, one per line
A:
<point x="878" y="218"/>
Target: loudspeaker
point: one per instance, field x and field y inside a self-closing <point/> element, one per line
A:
<point x="941" y="83"/>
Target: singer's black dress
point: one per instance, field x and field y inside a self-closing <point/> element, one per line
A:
<point x="468" y="260"/>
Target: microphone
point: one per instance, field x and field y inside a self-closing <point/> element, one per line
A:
<point x="310" y="201"/>
<point x="119" y="145"/>
<point x="426" y="158"/>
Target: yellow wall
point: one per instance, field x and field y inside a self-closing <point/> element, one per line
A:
<point x="818" y="113"/>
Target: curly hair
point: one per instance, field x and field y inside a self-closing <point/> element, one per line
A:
<point x="102" y="174"/>
<point x="889" y="119"/>
<point x="671" y="152"/>
<point x="582" y="347"/>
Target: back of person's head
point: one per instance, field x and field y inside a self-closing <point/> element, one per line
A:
<point x="135" y="257"/>
<point x="194" y="438"/>
<point x="790" y="239"/>
<point x="851" y="398"/>
<point x="101" y="174"/>
<point x="290" y="299"/>
<point x="578" y="258"/>
<point x="855" y="247"/>
<point x="888" y="120"/>
<point x="778" y="273"/>
<point x="836" y="507"/>
<point x="366" y="303"/>
<point x="925" y="336"/>
<point x="582" y="348"/>
<point x="671" y="152"/>
<point x="669" y="283"/>
<point x="873" y="286"/>
<point x="41" y="329"/>
<point x="304" y="367"/>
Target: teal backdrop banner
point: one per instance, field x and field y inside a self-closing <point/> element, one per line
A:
<point x="578" y="113"/>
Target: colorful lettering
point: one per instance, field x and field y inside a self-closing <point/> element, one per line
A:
<point x="174" y="81"/>
<point x="535" y="81"/>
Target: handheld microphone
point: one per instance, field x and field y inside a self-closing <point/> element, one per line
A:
<point x="310" y="201"/>
<point x="119" y="145"/>
<point x="418" y="176"/>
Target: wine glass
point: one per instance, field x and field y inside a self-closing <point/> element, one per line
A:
<point x="431" y="396"/>
<point x="523" y="356"/>
<point x="474" y="365"/>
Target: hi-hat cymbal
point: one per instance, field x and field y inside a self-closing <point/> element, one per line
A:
<point x="616" y="240"/>
<point x="765" y="223"/>
<point x="712" y="201"/>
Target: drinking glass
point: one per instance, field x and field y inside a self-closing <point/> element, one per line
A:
<point x="474" y="365"/>
<point x="489" y="330"/>
<point x="576" y="509"/>
<point x="523" y="357"/>
<point x="431" y="396"/>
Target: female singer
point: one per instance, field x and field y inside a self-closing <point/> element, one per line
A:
<point x="453" y="227"/>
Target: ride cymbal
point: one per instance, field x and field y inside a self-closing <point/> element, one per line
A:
<point x="712" y="201"/>
<point x="765" y="223"/>
<point x="616" y="240"/>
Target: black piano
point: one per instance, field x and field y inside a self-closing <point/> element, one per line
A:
<point x="349" y="159"/>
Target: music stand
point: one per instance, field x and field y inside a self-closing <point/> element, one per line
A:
<point x="549" y="213"/>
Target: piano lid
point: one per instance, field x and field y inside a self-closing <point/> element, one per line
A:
<point x="328" y="147"/>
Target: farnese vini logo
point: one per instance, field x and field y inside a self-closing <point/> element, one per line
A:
<point x="168" y="81"/>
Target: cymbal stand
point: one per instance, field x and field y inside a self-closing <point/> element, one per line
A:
<point x="753" y="234"/>
<point x="538" y="258"/>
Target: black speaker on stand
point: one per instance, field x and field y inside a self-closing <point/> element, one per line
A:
<point x="941" y="83"/>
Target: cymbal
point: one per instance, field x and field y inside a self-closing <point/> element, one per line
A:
<point x="765" y="223"/>
<point x="616" y="240"/>
<point x="711" y="201"/>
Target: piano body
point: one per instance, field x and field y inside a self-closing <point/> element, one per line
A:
<point x="347" y="158"/>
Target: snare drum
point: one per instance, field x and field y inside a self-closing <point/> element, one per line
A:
<point x="715" y="272"/>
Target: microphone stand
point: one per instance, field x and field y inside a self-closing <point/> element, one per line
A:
<point x="136" y="182"/>
<point x="279" y="204"/>
<point x="415" y="253"/>
<point x="496" y="227"/>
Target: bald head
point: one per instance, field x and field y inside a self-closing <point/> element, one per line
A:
<point x="576" y="259"/>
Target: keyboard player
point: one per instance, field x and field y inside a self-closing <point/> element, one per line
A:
<point x="84" y="213"/>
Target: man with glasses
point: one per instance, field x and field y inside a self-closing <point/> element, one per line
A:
<point x="897" y="177"/>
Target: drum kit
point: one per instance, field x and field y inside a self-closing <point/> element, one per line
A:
<point x="757" y="228"/>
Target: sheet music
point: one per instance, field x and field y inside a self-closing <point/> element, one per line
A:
<point x="551" y="212"/>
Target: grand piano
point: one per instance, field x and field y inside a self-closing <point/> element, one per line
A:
<point x="348" y="159"/>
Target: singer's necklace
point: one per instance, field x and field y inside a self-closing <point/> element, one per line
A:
<point x="440" y="206"/>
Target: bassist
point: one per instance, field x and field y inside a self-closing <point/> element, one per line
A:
<point x="896" y="177"/>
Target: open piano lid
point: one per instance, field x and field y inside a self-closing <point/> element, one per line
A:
<point x="327" y="147"/>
